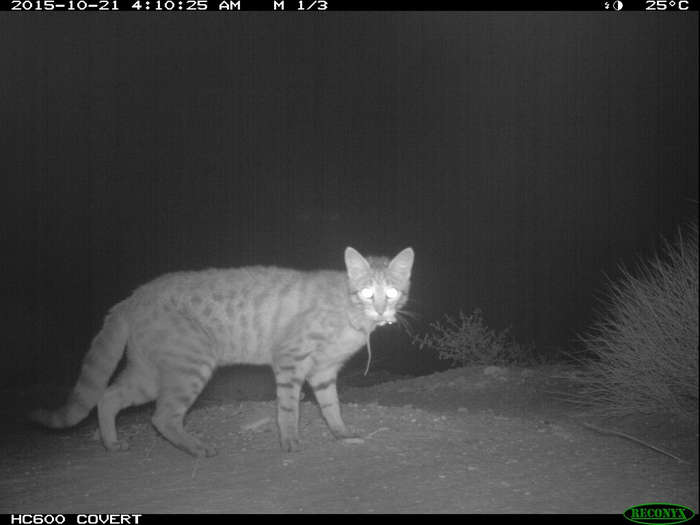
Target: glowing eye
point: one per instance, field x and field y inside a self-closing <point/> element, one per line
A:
<point x="392" y="293"/>
<point x="366" y="293"/>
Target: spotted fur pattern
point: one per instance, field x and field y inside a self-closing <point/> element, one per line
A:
<point x="178" y="328"/>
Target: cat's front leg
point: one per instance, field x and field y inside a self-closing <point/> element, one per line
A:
<point x="323" y="383"/>
<point x="288" y="413"/>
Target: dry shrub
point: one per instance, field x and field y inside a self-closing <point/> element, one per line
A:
<point x="469" y="342"/>
<point x="644" y="347"/>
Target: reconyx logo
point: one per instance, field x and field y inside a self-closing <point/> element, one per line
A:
<point x="658" y="513"/>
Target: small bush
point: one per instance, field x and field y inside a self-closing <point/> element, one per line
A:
<point x="645" y="345"/>
<point x="472" y="343"/>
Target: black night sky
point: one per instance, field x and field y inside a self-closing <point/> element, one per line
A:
<point x="523" y="156"/>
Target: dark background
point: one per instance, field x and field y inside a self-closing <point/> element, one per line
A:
<point x="524" y="156"/>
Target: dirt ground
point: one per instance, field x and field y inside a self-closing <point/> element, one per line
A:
<point x="455" y="442"/>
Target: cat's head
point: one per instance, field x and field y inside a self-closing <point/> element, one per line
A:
<point x="378" y="284"/>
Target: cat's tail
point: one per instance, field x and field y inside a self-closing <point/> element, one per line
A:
<point x="99" y="364"/>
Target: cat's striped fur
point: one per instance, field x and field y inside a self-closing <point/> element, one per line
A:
<point x="178" y="328"/>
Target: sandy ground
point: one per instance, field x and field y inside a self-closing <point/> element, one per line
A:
<point x="455" y="442"/>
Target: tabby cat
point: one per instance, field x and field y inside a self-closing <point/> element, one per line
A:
<point x="179" y="327"/>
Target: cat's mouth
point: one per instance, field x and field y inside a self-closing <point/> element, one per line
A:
<point x="378" y="319"/>
<point x="381" y="320"/>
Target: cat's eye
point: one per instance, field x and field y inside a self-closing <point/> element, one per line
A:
<point x="392" y="293"/>
<point x="366" y="293"/>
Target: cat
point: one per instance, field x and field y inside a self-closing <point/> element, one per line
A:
<point x="178" y="328"/>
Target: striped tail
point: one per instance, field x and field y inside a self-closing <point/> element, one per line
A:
<point x="100" y="362"/>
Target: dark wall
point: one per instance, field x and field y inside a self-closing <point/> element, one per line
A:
<point x="522" y="155"/>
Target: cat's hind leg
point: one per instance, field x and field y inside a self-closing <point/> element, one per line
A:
<point x="180" y="385"/>
<point x="136" y="385"/>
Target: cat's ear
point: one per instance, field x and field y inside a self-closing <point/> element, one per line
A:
<point x="401" y="264"/>
<point x="356" y="264"/>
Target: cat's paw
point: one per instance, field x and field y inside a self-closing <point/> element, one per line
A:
<point x="117" y="446"/>
<point x="210" y="451"/>
<point x="292" y="444"/>
<point x="197" y="449"/>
